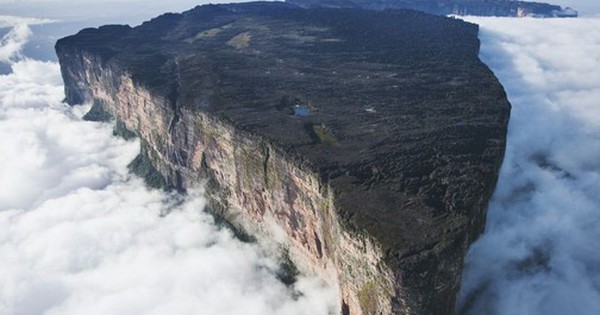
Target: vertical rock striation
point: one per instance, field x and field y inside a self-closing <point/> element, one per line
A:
<point x="366" y="143"/>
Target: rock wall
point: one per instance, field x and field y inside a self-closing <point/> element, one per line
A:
<point x="447" y="7"/>
<point x="251" y="183"/>
<point x="381" y="202"/>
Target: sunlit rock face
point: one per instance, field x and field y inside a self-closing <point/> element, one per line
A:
<point x="366" y="143"/>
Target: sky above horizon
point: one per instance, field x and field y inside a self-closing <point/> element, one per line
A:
<point x="80" y="230"/>
<point x="131" y="12"/>
<point x="132" y="8"/>
<point x="79" y="234"/>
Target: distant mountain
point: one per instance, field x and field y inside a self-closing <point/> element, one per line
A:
<point x="447" y="7"/>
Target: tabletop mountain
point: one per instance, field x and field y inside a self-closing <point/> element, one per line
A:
<point x="451" y="7"/>
<point x="366" y="143"/>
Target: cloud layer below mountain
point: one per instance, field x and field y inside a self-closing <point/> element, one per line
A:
<point x="79" y="235"/>
<point x="540" y="254"/>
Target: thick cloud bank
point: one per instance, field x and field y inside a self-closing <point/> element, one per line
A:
<point x="79" y="235"/>
<point x="540" y="254"/>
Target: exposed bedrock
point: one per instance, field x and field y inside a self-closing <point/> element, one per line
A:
<point x="367" y="143"/>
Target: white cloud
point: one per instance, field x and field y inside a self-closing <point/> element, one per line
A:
<point x="12" y="42"/>
<point x="79" y="235"/>
<point x="540" y="253"/>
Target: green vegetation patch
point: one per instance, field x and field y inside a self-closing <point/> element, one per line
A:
<point x="367" y="298"/>
<point x="240" y="41"/>
<point x="97" y="113"/>
<point x="120" y="130"/>
<point x="321" y="133"/>
<point x="142" y="167"/>
<point x="210" y="33"/>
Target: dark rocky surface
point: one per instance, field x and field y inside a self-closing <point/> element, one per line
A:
<point x="447" y="7"/>
<point x="392" y="109"/>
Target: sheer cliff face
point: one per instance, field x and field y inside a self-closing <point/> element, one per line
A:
<point x="454" y="7"/>
<point x="365" y="143"/>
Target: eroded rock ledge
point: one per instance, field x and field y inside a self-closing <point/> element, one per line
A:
<point x="367" y="142"/>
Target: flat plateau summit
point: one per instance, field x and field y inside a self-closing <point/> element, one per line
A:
<point x="373" y="140"/>
<point x="452" y="7"/>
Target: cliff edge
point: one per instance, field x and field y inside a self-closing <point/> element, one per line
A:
<point x="367" y="143"/>
<point x="510" y="8"/>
